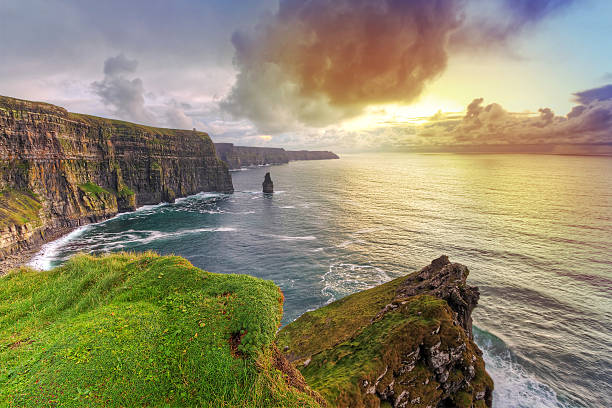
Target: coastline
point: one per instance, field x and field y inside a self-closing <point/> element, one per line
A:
<point x="23" y="258"/>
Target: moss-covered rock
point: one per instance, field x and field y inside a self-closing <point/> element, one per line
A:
<point x="405" y="343"/>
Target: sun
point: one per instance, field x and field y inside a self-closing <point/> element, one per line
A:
<point x="391" y="115"/>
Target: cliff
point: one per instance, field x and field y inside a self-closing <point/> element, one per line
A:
<point x="295" y="155"/>
<point x="129" y="330"/>
<point x="144" y="330"/>
<point x="242" y="156"/>
<point x="59" y="170"/>
<point x="404" y="343"/>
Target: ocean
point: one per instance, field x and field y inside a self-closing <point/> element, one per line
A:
<point x="534" y="230"/>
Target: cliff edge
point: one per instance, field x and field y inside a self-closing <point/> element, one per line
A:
<point x="406" y="343"/>
<point x="128" y="330"/>
<point x="59" y="170"/>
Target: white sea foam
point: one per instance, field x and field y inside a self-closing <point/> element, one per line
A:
<point x="344" y="278"/>
<point x="514" y="387"/>
<point x="48" y="252"/>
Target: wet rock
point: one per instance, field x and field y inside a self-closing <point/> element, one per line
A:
<point x="268" y="186"/>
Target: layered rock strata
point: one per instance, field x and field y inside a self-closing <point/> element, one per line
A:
<point x="406" y="343"/>
<point x="59" y="170"/>
<point x="243" y="156"/>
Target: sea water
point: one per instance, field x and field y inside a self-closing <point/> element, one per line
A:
<point x="535" y="232"/>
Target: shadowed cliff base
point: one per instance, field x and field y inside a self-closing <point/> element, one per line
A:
<point x="60" y="170"/>
<point x="244" y="156"/>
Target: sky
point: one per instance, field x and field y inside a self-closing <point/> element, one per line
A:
<point x="345" y="75"/>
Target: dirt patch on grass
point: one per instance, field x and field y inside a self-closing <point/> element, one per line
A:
<point x="20" y="343"/>
<point x="293" y="377"/>
<point x="235" y="341"/>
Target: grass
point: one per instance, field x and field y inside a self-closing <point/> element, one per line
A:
<point x="92" y="188"/>
<point x="341" y="345"/>
<point x="323" y="328"/>
<point x="19" y="208"/>
<point x="139" y="330"/>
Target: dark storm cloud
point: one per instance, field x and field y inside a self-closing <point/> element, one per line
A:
<point x="319" y="61"/>
<point x="602" y="93"/>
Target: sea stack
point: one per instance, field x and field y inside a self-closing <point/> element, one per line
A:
<point x="268" y="185"/>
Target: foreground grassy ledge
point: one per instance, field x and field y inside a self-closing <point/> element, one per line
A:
<point x="142" y="330"/>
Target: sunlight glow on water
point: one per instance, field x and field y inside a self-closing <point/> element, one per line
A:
<point x="535" y="232"/>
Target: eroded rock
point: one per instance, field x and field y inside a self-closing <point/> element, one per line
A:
<point x="407" y="343"/>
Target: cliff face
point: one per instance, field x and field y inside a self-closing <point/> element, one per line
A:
<point x="59" y="170"/>
<point x="295" y="155"/>
<point x="405" y="343"/>
<point x="242" y="156"/>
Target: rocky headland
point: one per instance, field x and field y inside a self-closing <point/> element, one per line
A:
<point x="60" y="170"/>
<point x="406" y="343"/>
<point x="244" y="156"/>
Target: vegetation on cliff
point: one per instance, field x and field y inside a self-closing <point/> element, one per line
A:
<point x="19" y="208"/>
<point x="403" y="343"/>
<point x="142" y="330"/>
<point x="79" y="169"/>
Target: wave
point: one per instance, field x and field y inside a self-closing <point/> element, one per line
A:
<point x="290" y="238"/>
<point x="514" y="386"/>
<point x="43" y="260"/>
<point x="49" y="252"/>
<point x="343" y="279"/>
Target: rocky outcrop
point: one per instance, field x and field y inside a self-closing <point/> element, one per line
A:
<point x="69" y="169"/>
<point x="406" y="343"/>
<point x="268" y="185"/>
<point x="243" y="156"/>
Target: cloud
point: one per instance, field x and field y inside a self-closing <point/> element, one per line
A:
<point x="126" y="97"/>
<point x="493" y="23"/>
<point x="318" y="62"/>
<point x="603" y="93"/>
<point x="587" y="124"/>
<point x="118" y="65"/>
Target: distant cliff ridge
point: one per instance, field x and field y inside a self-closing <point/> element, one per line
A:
<point x="242" y="156"/>
<point x="59" y="170"/>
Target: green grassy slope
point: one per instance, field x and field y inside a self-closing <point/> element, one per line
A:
<point x="348" y="346"/>
<point x="140" y="330"/>
<point x="19" y="208"/>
